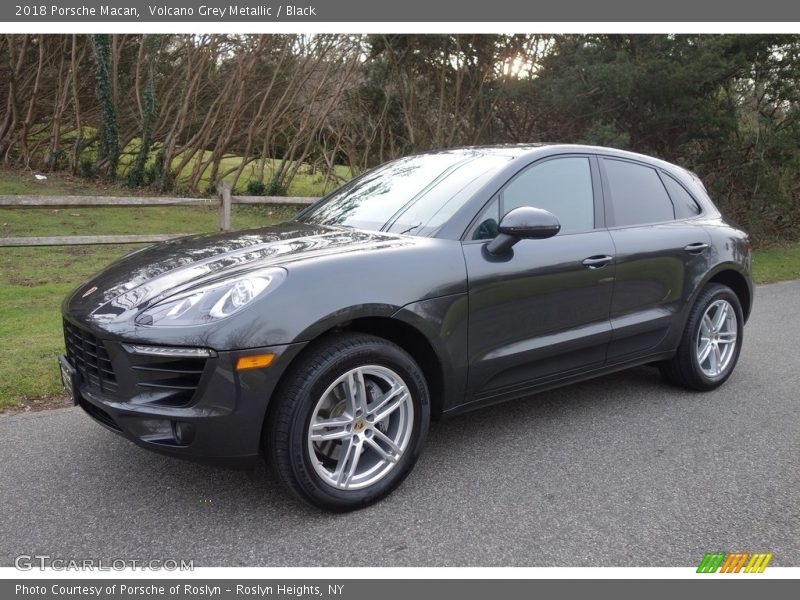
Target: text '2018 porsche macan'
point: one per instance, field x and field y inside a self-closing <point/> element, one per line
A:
<point x="431" y="285"/>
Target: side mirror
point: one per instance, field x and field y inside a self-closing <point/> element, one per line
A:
<point x="523" y="223"/>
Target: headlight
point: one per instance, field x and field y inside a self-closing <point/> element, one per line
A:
<point x="212" y="302"/>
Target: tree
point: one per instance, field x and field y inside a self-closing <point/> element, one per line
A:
<point x="148" y="47"/>
<point x="108" y="157"/>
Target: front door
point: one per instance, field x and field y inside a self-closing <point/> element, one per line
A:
<point x="541" y="312"/>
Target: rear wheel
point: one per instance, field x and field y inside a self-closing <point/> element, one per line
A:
<point x="349" y="423"/>
<point x="711" y="342"/>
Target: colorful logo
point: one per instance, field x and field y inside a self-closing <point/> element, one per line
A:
<point x="734" y="562"/>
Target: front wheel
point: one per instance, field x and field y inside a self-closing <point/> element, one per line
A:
<point x="711" y="342"/>
<point x="349" y="423"/>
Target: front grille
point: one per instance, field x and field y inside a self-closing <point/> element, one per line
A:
<point x="169" y="381"/>
<point x="140" y="378"/>
<point x="88" y="355"/>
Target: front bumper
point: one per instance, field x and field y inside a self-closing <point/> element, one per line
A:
<point x="199" y="409"/>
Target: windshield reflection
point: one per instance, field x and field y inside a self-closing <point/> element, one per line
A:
<point x="412" y="195"/>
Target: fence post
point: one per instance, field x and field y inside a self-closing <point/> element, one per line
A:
<point x="224" y="205"/>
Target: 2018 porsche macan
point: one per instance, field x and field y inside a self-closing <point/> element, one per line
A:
<point x="428" y="286"/>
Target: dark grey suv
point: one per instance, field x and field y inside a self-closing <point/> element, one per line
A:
<point x="431" y="285"/>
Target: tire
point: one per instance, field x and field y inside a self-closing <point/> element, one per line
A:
<point x="686" y="368"/>
<point x="355" y="465"/>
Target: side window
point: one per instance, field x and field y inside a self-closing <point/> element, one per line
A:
<point x="685" y="205"/>
<point x="486" y="228"/>
<point x="638" y="196"/>
<point x="561" y="185"/>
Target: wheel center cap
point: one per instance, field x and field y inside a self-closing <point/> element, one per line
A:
<point x="359" y="426"/>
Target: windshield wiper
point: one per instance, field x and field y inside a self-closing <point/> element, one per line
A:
<point x="411" y="228"/>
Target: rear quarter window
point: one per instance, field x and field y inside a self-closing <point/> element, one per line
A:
<point x="685" y="205"/>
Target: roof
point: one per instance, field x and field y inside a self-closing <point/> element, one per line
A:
<point x="529" y="149"/>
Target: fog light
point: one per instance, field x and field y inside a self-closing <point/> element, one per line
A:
<point x="254" y="361"/>
<point x="183" y="433"/>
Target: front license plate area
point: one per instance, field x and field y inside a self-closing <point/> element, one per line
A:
<point x="69" y="379"/>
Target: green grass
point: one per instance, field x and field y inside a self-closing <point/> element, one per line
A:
<point x="307" y="182"/>
<point x="778" y="263"/>
<point x="33" y="281"/>
<point x="132" y="220"/>
<point x="13" y="182"/>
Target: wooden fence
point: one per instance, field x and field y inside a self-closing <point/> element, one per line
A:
<point x="224" y="202"/>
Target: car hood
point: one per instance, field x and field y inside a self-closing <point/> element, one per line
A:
<point x="150" y="274"/>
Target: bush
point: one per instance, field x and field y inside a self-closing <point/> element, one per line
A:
<point x="275" y="188"/>
<point x="181" y="190"/>
<point x="256" y="188"/>
<point x="150" y="174"/>
<point x="156" y="177"/>
<point x="134" y="178"/>
<point x="86" y="167"/>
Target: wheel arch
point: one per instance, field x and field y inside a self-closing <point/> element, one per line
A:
<point x="413" y="341"/>
<point x="397" y="331"/>
<point x="736" y="280"/>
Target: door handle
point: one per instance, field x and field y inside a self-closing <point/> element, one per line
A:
<point x="696" y="248"/>
<point x="597" y="262"/>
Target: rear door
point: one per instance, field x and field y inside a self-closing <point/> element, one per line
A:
<point x="542" y="311"/>
<point x="661" y="252"/>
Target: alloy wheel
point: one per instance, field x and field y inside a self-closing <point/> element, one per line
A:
<point x="716" y="338"/>
<point x="360" y="427"/>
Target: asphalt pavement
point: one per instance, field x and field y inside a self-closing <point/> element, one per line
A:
<point x="620" y="471"/>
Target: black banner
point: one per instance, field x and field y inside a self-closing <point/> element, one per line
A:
<point x="359" y="11"/>
<point x="370" y="589"/>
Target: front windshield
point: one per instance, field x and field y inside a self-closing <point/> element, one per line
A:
<point x="413" y="195"/>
